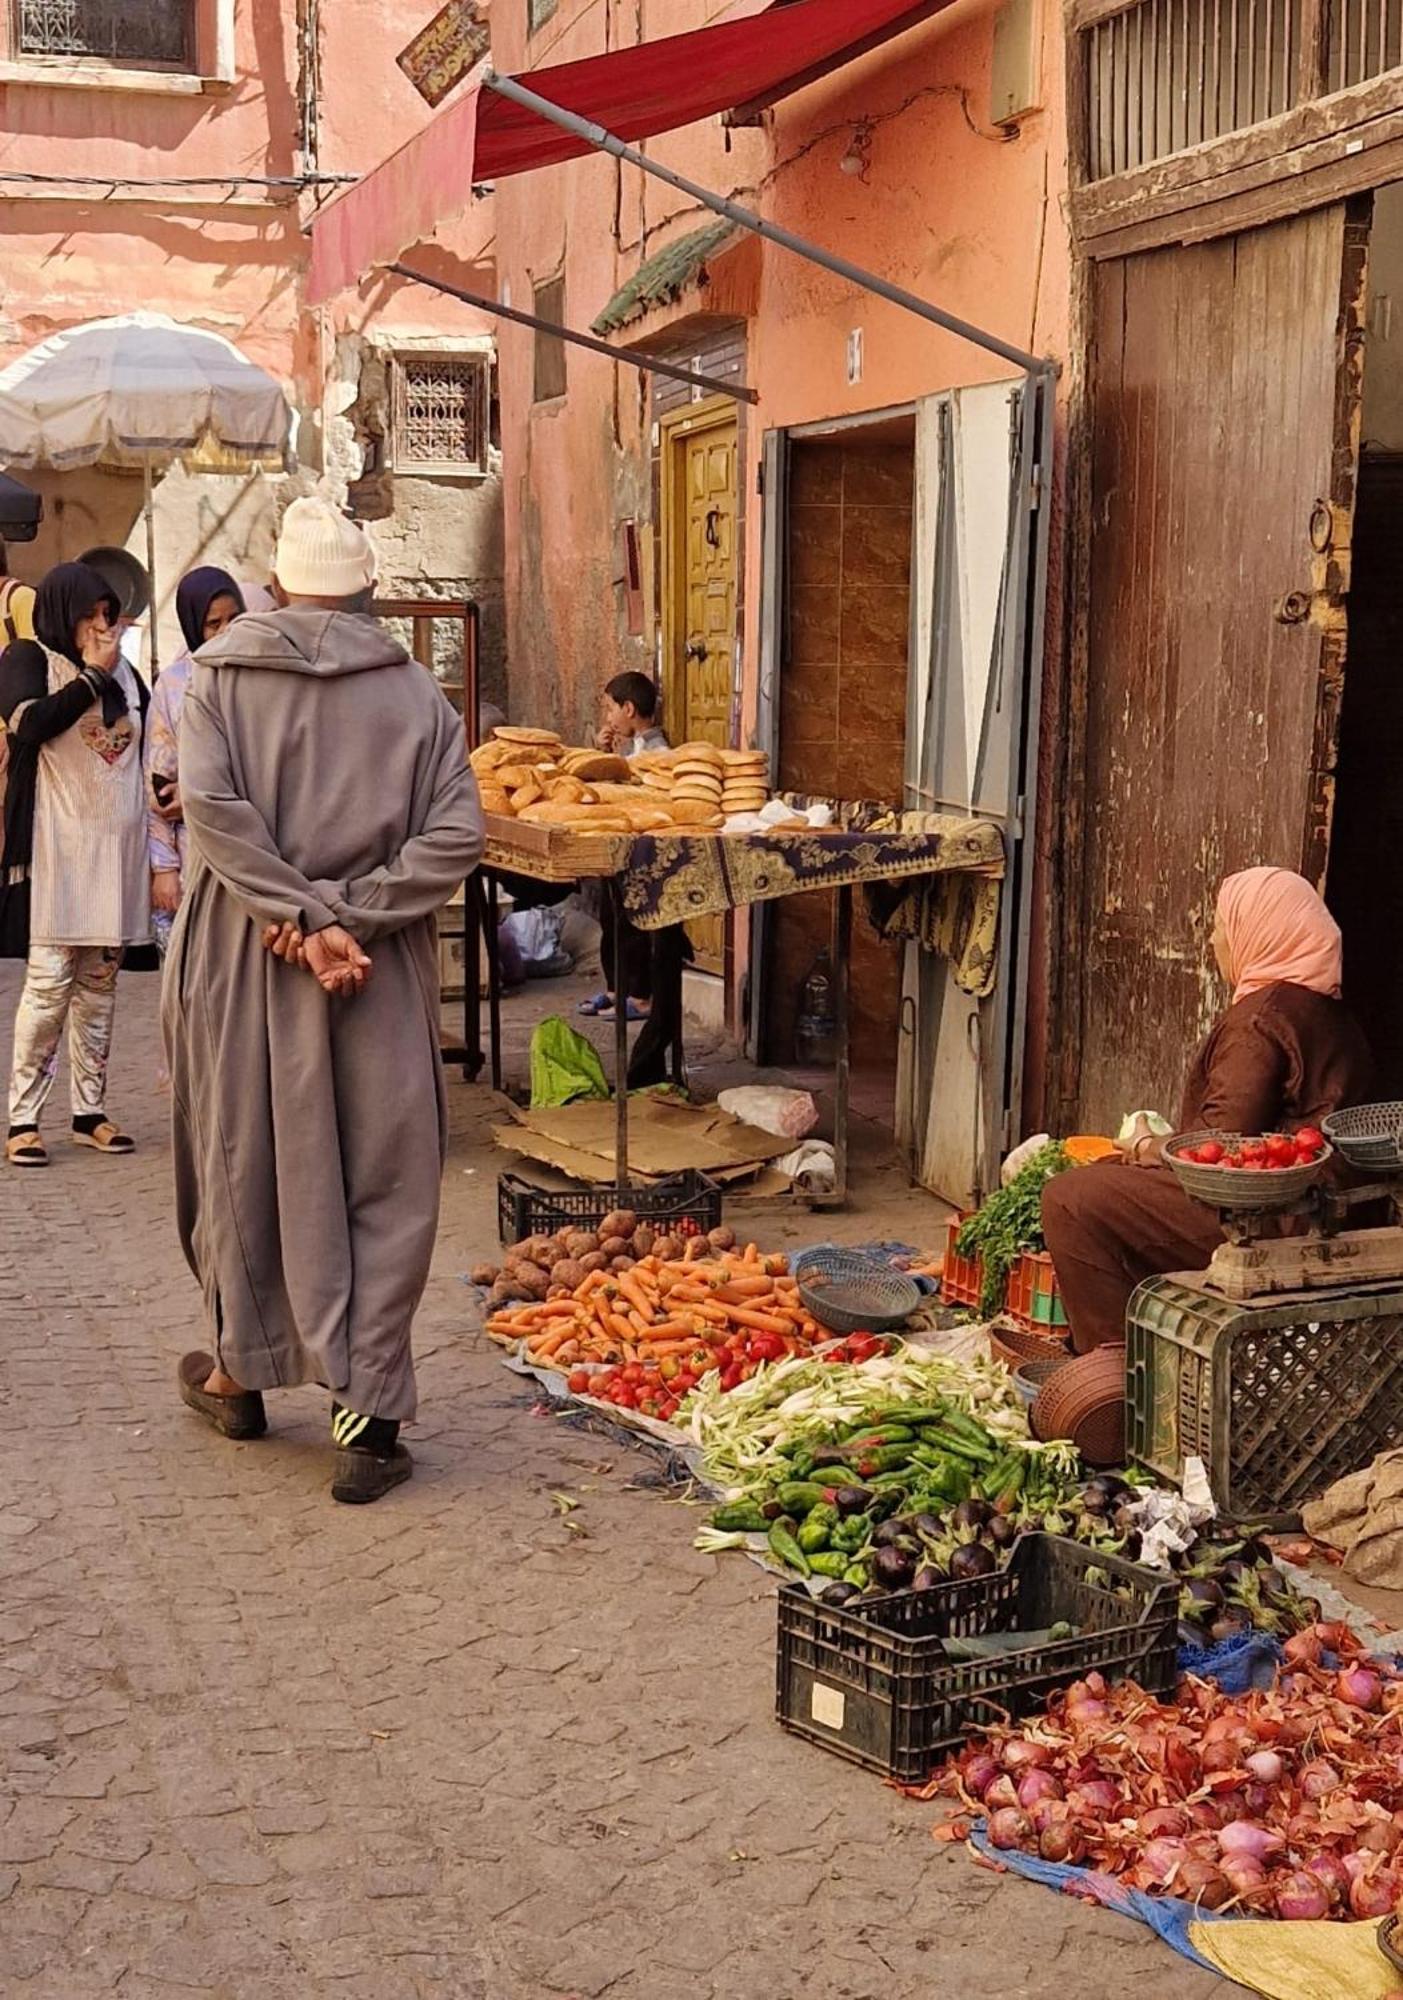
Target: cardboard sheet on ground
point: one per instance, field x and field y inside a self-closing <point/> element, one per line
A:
<point x="665" y="1136"/>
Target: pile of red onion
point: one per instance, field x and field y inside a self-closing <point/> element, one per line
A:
<point x="1282" y="1804"/>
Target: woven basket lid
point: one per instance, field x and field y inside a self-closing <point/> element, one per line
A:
<point x="1084" y="1400"/>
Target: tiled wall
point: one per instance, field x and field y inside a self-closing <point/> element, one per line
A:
<point x="843" y="694"/>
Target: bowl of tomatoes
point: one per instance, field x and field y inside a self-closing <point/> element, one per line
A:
<point x="1237" y="1171"/>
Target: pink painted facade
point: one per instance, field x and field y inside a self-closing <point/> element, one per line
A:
<point x="231" y="257"/>
<point x="948" y="204"/>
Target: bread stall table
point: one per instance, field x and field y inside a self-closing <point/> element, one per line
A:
<point x="660" y="880"/>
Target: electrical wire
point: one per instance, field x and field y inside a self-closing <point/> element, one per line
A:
<point x="181" y="180"/>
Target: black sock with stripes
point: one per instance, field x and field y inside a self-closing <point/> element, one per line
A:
<point x="356" y="1433"/>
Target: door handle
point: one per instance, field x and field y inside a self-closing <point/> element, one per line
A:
<point x="697" y="650"/>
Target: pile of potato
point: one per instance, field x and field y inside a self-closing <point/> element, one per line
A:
<point x="548" y="1267"/>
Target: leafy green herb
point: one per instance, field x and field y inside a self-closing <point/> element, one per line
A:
<point x="1009" y="1223"/>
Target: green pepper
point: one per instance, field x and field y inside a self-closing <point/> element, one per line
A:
<point x="801" y="1463"/>
<point x="883" y="1458"/>
<point x="816" y="1530"/>
<point x="852" y="1534"/>
<point x="960" y="1447"/>
<point x="857" y="1576"/>
<point x="784" y="1545"/>
<point x="740" y="1517"/>
<point x="879" y="1434"/>
<point x="828" y="1562"/>
<point x="1013" y="1482"/>
<point x="961" y="1424"/>
<point x="800" y="1496"/>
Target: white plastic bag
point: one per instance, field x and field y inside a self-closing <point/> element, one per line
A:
<point x="789" y="1114"/>
<point x="813" y="1167"/>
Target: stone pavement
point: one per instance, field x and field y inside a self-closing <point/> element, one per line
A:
<point x="460" y="1744"/>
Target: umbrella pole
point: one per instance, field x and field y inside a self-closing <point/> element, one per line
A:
<point x="151" y="564"/>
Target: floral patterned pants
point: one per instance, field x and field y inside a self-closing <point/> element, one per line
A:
<point x="76" y="984"/>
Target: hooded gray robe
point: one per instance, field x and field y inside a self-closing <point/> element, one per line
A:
<point x="324" y="780"/>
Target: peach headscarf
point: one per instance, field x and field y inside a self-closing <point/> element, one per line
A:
<point x="1277" y="928"/>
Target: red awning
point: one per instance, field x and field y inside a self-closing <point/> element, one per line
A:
<point x="633" y="92"/>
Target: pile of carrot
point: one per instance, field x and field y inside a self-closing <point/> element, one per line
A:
<point x="661" y="1310"/>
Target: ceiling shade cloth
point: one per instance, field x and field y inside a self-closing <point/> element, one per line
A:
<point x="142" y="387"/>
<point x="632" y="92"/>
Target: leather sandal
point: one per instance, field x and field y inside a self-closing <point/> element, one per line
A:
<point x="239" y="1417"/>
<point x="26" y="1149"/>
<point x="362" y="1476"/>
<point x="105" y="1138"/>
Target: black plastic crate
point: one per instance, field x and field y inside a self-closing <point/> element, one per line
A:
<point x="526" y="1210"/>
<point x="873" y="1683"/>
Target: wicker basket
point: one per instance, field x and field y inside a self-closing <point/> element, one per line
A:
<point x="1369" y="1137"/>
<point x="1016" y="1347"/>
<point x="1250" y="1190"/>
<point x="849" y="1293"/>
<point x="1084" y="1400"/>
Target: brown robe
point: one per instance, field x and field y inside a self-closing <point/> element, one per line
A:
<point x="324" y="780"/>
<point x="1281" y="1058"/>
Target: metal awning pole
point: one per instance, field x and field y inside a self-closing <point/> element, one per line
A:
<point x="744" y="218"/>
<point x="643" y="362"/>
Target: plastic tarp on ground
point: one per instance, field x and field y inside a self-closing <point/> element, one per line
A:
<point x="633" y="92"/>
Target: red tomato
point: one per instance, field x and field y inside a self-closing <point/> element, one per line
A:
<point x="633" y="1374"/>
<point x="1231" y="1160"/>
<point x="1209" y="1154"/>
<point x="1254" y="1152"/>
<point x="668" y="1410"/>
<point x="1309" y="1136"/>
<point x="1281" y="1152"/>
<point x="577" y="1382"/>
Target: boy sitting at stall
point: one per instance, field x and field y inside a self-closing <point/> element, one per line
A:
<point x="630" y="716"/>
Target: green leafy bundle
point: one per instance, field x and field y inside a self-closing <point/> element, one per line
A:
<point x="1009" y="1223"/>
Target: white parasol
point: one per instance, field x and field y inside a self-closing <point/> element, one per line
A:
<point x="140" y="390"/>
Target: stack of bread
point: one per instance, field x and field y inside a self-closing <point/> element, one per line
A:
<point x="745" y="781"/>
<point x="530" y="775"/>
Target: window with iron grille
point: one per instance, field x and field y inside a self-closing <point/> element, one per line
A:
<point x="440" y="413"/>
<point x="550" y="348"/>
<point x="538" y="12"/>
<point x="146" y="34"/>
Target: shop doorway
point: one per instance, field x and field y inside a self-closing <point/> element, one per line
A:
<point x="700" y="504"/>
<point x="842" y="709"/>
<point x="1365" y="887"/>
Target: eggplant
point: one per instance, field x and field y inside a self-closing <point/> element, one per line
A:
<point x="1232" y="1622"/>
<point x="970" y="1560"/>
<point x="888" y="1533"/>
<point x="1205" y="1591"/>
<point x="835" y="1595"/>
<point x="852" y="1500"/>
<point x="972" y="1513"/>
<point x="927" y="1577"/>
<point x="893" y="1568"/>
<point x="1193" y="1634"/>
<point x="1094" y="1498"/>
<point x="772" y="1510"/>
<point x="1003" y="1532"/>
<point x="928" y="1527"/>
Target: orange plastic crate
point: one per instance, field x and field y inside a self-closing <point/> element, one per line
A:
<point x="963" y="1281"/>
<point x="1033" y="1298"/>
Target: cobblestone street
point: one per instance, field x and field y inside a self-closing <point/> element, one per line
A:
<point x="458" y="1744"/>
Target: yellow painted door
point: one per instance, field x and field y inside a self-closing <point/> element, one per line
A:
<point x="708" y="622"/>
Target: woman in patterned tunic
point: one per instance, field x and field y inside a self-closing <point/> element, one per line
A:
<point x="74" y="876"/>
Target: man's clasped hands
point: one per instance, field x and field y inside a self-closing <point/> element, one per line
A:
<point x="332" y="956"/>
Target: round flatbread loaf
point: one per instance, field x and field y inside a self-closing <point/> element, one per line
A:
<point x="508" y="734"/>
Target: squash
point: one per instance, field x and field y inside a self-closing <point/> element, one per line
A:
<point x="1086" y="1150"/>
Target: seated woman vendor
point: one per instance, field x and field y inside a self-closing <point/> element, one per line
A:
<point x="1286" y="1053"/>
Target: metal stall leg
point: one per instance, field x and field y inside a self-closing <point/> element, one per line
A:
<point x="620" y="978"/>
<point x="842" y="966"/>
<point x="473" y="1057"/>
<point x="494" y="972"/>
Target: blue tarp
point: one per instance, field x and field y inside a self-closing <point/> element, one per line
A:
<point x="1169" y="1916"/>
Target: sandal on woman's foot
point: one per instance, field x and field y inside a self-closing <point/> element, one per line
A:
<point x="362" y="1476"/>
<point x="26" y="1149"/>
<point x="595" y="1004"/>
<point x="104" y="1138"/>
<point x="633" y="1013"/>
<point x="240" y="1416"/>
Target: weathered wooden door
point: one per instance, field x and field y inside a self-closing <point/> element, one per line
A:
<point x="701" y="635"/>
<point x="1225" y="442"/>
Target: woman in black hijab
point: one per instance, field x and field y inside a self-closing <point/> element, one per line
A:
<point x="206" y="600"/>
<point x="74" y="878"/>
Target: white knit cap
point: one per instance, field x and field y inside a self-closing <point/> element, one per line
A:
<point x="322" y="554"/>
